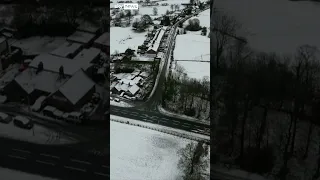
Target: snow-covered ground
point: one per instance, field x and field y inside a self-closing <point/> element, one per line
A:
<point x="9" y="174"/>
<point x="276" y="25"/>
<point x="42" y="135"/>
<point x="138" y="153"/>
<point x="123" y="38"/>
<point x="193" y="47"/>
<point x="120" y="104"/>
<point x="169" y="130"/>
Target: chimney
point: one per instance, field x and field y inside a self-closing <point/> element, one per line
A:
<point x="40" y="67"/>
<point x="61" y="73"/>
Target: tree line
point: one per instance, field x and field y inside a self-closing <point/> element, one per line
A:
<point x="264" y="105"/>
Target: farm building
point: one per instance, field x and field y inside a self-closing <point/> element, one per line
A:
<point x="89" y="28"/>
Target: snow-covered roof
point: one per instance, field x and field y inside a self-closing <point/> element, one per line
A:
<point x="77" y="86"/>
<point x="2" y="39"/>
<point x="136" y="72"/>
<point x="127" y="81"/>
<point x="87" y="55"/>
<point x="88" y="27"/>
<point x="45" y="81"/>
<point x="134" y="89"/>
<point x="66" y="49"/>
<point x="81" y="37"/>
<point x="156" y="44"/>
<point x="137" y="79"/>
<point x="122" y="87"/>
<point x="53" y="63"/>
<point x="160" y="55"/>
<point x="24" y="120"/>
<point x="144" y="74"/>
<point x="104" y="39"/>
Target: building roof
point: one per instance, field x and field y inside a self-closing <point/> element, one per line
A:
<point x="87" y="55"/>
<point x="104" y="39"/>
<point x="88" y="27"/>
<point x="53" y="63"/>
<point x="81" y="37"/>
<point x="66" y="49"/>
<point x="43" y="81"/>
<point x="134" y="89"/>
<point x="77" y="86"/>
<point x="156" y="44"/>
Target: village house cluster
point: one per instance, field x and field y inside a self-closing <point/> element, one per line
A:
<point x="65" y="83"/>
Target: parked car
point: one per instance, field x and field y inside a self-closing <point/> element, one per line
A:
<point x="116" y="99"/>
<point x="58" y="114"/>
<point x="22" y="122"/>
<point x="5" y="118"/>
<point x="74" y="117"/>
<point x="48" y="111"/>
<point x="38" y="104"/>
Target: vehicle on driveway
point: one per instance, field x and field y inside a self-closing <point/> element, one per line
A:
<point x="5" y="118"/>
<point x="22" y="122"/>
<point x="116" y="99"/>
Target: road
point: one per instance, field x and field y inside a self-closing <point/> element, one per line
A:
<point x="53" y="161"/>
<point x="158" y="118"/>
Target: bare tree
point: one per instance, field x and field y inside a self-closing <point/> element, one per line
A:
<point x="193" y="161"/>
<point x="155" y="11"/>
<point x="224" y="29"/>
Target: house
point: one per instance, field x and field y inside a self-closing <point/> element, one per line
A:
<point x="89" y="28"/>
<point x="91" y="55"/>
<point x="103" y="42"/>
<point x="84" y="38"/>
<point x="3" y="44"/>
<point x="133" y="90"/>
<point x="68" y="50"/>
<point x="74" y="93"/>
<point x="32" y="84"/>
<point x="152" y="51"/>
<point x="52" y="63"/>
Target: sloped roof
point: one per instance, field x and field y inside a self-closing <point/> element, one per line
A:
<point x="77" y="86"/>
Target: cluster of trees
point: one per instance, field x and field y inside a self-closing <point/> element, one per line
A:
<point x="51" y="17"/>
<point x="142" y="23"/>
<point x="185" y="95"/>
<point x="194" y="25"/>
<point x="264" y="104"/>
<point x="126" y="15"/>
<point x="194" y="161"/>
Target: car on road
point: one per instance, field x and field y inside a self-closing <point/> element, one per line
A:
<point x="22" y="122"/>
<point x="49" y="111"/>
<point x="5" y="118"/>
<point x="74" y="117"/>
<point x="116" y="99"/>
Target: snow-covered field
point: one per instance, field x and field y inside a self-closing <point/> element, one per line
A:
<point x="41" y="135"/>
<point x="193" y="47"/>
<point x="138" y="153"/>
<point x="123" y="38"/>
<point x="276" y="25"/>
<point x="9" y="174"/>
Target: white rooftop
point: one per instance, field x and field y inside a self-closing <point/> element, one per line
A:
<point x="104" y="39"/>
<point x="134" y="89"/>
<point x="77" y="86"/>
<point x="156" y="44"/>
<point x="66" y="49"/>
<point x="53" y="63"/>
<point x="81" y="37"/>
<point x="44" y="81"/>
<point x="88" y="27"/>
<point x="87" y="55"/>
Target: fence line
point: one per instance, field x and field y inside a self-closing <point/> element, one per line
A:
<point x="181" y="135"/>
